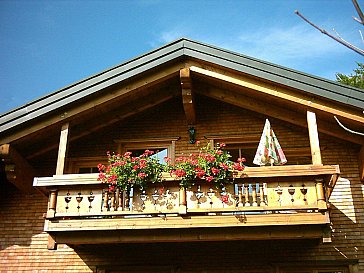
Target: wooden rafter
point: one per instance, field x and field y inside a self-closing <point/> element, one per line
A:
<point x="269" y="109"/>
<point x="18" y="170"/>
<point x="187" y="96"/>
<point x="277" y="92"/>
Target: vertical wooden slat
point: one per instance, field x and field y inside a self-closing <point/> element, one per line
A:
<point x="246" y="191"/>
<point x="62" y="149"/>
<point x="321" y="201"/>
<point x="182" y="201"/>
<point x="314" y="139"/>
<point x="52" y="203"/>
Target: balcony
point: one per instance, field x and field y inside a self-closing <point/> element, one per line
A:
<point x="262" y="203"/>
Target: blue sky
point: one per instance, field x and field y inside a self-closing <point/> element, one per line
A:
<point x="47" y="45"/>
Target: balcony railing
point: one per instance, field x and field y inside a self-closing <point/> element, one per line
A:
<point x="261" y="196"/>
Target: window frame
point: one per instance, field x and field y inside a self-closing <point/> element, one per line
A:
<point x="251" y="141"/>
<point x="169" y="143"/>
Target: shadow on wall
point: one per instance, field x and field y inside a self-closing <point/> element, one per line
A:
<point x="21" y="216"/>
<point x="346" y="214"/>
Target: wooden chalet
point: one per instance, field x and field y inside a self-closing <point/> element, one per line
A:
<point x="305" y="216"/>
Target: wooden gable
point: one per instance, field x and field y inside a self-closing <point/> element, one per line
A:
<point x="144" y="83"/>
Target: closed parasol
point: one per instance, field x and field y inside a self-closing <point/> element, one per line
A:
<point x="269" y="151"/>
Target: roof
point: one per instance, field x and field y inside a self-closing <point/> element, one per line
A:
<point x="184" y="48"/>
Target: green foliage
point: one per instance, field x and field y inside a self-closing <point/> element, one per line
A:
<point x="126" y="171"/>
<point x="210" y="164"/>
<point x="356" y="79"/>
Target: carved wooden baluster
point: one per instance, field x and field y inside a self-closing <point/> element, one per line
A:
<point x="126" y="198"/>
<point x="116" y="202"/>
<point x="120" y="199"/>
<point x="90" y="198"/>
<point x="321" y="201"/>
<point x="112" y="201"/>
<point x="106" y="200"/>
<point x="52" y="204"/>
<point x="254" y="195"/>
<point x="246" y="190"/>
<point x="240" y="193"/>
<point x="79" y="199"/>
<point x="182" y="201"/>
<point x="262" y="195"/>
<point x="117" y="194"/>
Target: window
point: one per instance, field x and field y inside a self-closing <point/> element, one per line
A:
<point x="246" y="146"/>
<point x="162" y="147"/>
<point x="84" y="164"/>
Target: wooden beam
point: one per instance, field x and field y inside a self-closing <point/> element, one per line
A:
<point x="284" y="114"/>
<point x="314" y="139"/>
<point x="17" y="168"/>
<point x="276" y="91"/>
<point x="190" y="235"/>
<point x="187" y="96"/>
<point x="63" y="142"/>
<point x="177" y="222"/>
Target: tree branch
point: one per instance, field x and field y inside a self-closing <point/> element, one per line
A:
<point x="339" y="40"/>
<point x="360" y="13"/>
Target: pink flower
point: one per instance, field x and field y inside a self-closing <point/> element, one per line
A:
<point x="219" y="152"/>
<point x="215" y="171"/>
<point x="135" y="167"/>
<point x="142" y="175"/>
<point x="101" y="167"/>
<point x="209" y="178"/>
<point x="225" y="199"/>
<point x="179" y="172"/>
<point x="127" y="154"/>
<point x="200" y="173"/>
<point x="222" y="145"/>
<point x="102" y="176"/>
<point x="224" y="166"/>
<point x="238" y="166"/>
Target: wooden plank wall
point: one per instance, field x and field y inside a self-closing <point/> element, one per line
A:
<point x="23" y="244"/>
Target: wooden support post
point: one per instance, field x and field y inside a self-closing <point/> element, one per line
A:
<point x="63" y="141"/>
<point x="314" y="139"/>
<point x="182" y="201"/>
<point x="326" y="235"/>
<point x="52" y="244"/>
